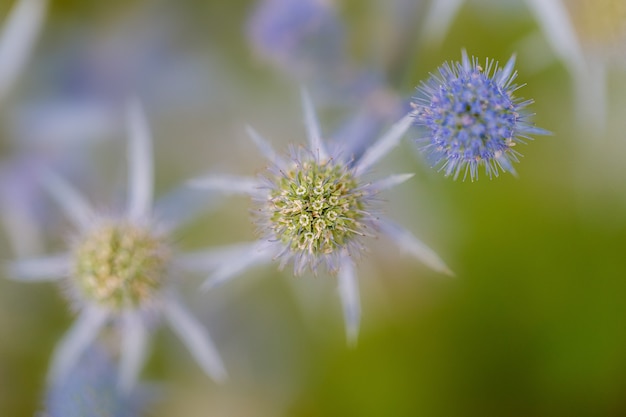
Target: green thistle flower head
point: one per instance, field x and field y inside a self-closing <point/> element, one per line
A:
<point x="120" y="265"/>
<point x="314" y="208"/>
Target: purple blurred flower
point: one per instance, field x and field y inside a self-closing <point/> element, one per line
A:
<point x="299" y="37"/>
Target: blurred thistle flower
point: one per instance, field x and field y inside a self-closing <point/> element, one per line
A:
<point x="471" y="118"/>
<point x="305" y="40"/>
<point x="297" y="35"/>
<point x="314" y="208"/>
<point x="588" y="36"/>
<point x="90" y="390"/>
<point x="17" y="40"/>
<point x="118" y="271"/>
<point x="601" y="27"/>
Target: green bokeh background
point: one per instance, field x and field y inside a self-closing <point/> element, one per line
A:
<point x="533" y="323"/>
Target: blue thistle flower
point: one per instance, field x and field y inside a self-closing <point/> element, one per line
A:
<point x="472" y="118"/>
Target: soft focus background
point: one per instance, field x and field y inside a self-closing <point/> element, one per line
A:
<point x="533" y="323"/>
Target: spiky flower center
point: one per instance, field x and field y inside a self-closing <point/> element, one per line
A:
<point x="471" y="117"/>
<point x="315" y="208"/>
<point x="120" y="265"/>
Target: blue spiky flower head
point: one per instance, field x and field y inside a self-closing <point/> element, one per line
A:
<point x="471" y="118"/>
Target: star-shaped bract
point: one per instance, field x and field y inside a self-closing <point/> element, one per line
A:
<point x="314" y="208"/>
<point x="118" y="271"/>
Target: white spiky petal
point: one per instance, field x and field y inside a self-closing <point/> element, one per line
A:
<point x="195" y="338"/>
<point x="49" y="268"/>
<point x="228" y="184"/>
<point x="76" y="341"/>
<point x="237" y="262"/>
<point x="265" y="148"/>
<point x="141" y="169"/>
<point x="390" y="182"/>
<point x="386" y="143"/>
<point x="133" y="350"/>
<point x="406" y="241"/>
<point x="350" y="299"/>
<point x="17" y="39"/>
<point x="438" y="19"/>
<point x="317" y="146"/>
<point x="72" y="202"/>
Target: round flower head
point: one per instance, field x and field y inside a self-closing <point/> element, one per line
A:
<point x="313" y="208"/>
<point x="120" y="265"/>
<point x="117" y="272"/>
<point x="471" y="118"/>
